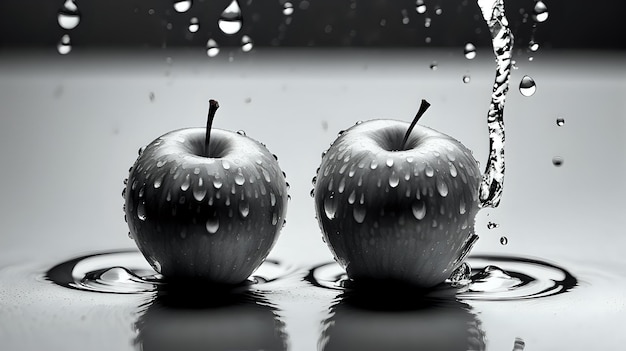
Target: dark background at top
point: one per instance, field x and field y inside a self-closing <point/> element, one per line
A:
<point x="324" y="23"/>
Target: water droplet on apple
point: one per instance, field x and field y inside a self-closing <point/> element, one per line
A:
<point x="212" y="225"/>
<point x="419" y="209"/>
<point x="342" y="185"/>
<point x="352" y="197"/>
<point x="374" y="164"/>
<point x="540" y="12"/>
<point x="274" y="218"/>
<point x="453" y="171"/>
<point x="141" y="211"/>
<point x="199" y="193"/>
<point x="560" y="122"/>
<point x="141" y="192"/>
<point x="527" y="86"/>
<point x="314" y="180"/>
<point x="504" y="240"/>
<point x="212" y="49"/>
<point x="492" y="225"/>
<point x="330" y="206"/>
<point x="230" y="20"/>
<point x="442" y="188"/>
<point x="266" y="175"/>
<point x="462" y="208"/>
<point x="217" y="183"/>
<point x="469" y="51"/>
<point x="272" y="199"/>
<point x="182" y="5"/>
<point x="467" y="79"/>
<point x="288" y="9"/>
<point x="420" y="6"/>
<point x="68" y="16"/>
<point x="429" y="171"/>
<point x="394" y="180"/>
<point x="312" y="192"/>
<point x="158" y="181"/>
<point x="389" y="162"/>
<point x="194" y="25"/>
<point x="557" y="161"/>
<point x="239" y="178"/>
<point x="186" y="183"/>
<point x="358" y="213"/>
<point x="244" y="209"/>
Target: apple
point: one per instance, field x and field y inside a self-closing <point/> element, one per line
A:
<point x="205" y="204"/>
<point x="397" y="202"/>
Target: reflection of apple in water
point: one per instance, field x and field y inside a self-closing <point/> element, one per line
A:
<point x="205" y="203"/>
<point x="397" y="202"/>
<point x="399" y="318"/>
<point x="207" y="318"/>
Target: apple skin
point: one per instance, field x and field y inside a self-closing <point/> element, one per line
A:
<point x="205" y="218"/>
<point x="405" y="216"/>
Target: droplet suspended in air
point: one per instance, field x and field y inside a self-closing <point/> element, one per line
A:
<point x="527" y="86"/>
<point x="434" y="66"/>
<point x="469" y="51"/>
<point x="68" y="16"/>
<point x="504" y="240"/>
<point x="557" y="161"/>
<point x="540" y="12"/>
<point x="533" y="46"/>
<point x="182" y="5"/>
<point x="467" y="79"/>
<point x="230" y="20"/>
<point x="65" y="45"/>
<point x="420" y="7"/>
<point x="492" y="225"/>
<point x="194" y="25"/>
<point x="246" y="43"/>
<point x="560" y="122"/>
<point x="212" y="49"/>
<point x="288" y="9"/>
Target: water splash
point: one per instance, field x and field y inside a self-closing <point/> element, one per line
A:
<point x="230" y="20"/>
<point x="502" y="41"/>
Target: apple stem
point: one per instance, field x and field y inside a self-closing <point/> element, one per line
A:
<point x="423" y="107"/>
<point x="213" y="106"/>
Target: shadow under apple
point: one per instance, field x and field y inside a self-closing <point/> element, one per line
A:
<point x="188" y="317"/>
<point x="382" y="317"/>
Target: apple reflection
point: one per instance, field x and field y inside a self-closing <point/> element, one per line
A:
<point x="200" y="317"/>
<point x="400" y="318"/>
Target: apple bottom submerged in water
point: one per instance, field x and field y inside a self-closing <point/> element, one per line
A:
<point x="208" y="217"/>
<point x="394" y="209"/>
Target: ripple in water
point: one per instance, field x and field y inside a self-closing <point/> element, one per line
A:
<point x="127" y="272"/>
<point x="492" y="278"/>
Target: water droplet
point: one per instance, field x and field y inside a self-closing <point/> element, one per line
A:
<point x="519" y="345"/>
<point x="288" y="9"/>
<point x="186" y="183"/>
<point x="352" y="197"/>
<point x="230" y="20"/>
<point x="314" y="180"/>
<point x="330" y="206"/>
<point x="266" y="175"/>
<point x="540" y="12"/>
<point x="68" y="16"/>
<point x="442" y="188"/>
<point x="141" y="211"/>
<point x="405" y="17"/>
<point x="557" y="161"/>
<point x="212" y="49"/>
<point x="312" y="193"/>
<point x="466" y="78"/>
<point x="419" y="210"/>
<point x="389" y="162"/>
<point x="560" y="122"/>
<point x="374" y="164"/>
<point x="429" y="171"/>
<point x="504" y="240"/>
<point x="533" y="46"/>
<point x="246" y="43"/>
<point x="274" y="218"/>
<point x="239" y="178"/>
<point x="244" y="209"/>
<point x="420" y="7"/>
<point x="527" y="86"/>
<point x="394" y="180"/>
<point x="462" y="208"/>
<point x="358" y="213"/>
<point x="158" y="181"/>
<point x="182" y="5"/>
<point x="427" y="22"/>
<point x="272" y="199"/>
<point x="433" y="66"/>
<point x="217" y="183"/>
<point x="342" y="185"/>
<point x="492" y="225"/>
<point x="212" y="225"/>
<point x="469" y="51"/>
<point x="65" y="45"/>
<point x="199" y="192"/>
<point x="194" y="25"/>
<point x="225" y="164"/>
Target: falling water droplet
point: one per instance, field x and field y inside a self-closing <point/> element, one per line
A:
<point x="288" y="9"/>
<point x="182" y="5"/>
<point x="427" y="22"/>
<point x="420" y="7"/>
<point x="560" y="122"/>
<point x="469" y="51"/>
<point x="557" y="161"/>
<point x="65" y="45"/>
<point x="212" y="49"/>
<point x="230" y="20"/>
<point x="433" y="66"/>
<point x="194" y="25"/>
<point x="504" y="240"/>
<point x="419" y="210"/>
<point x="68" y="16"/>
<point x="540" y="12"/>
<point x="141" y="211"/>
<point x="527" y="86"/>
<point x="246" y="43"/>
<point x="466" y="78"/>
<point x="492" y="225"/>
<point x="533" y="46"/>
<point x="212" y="225"/>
